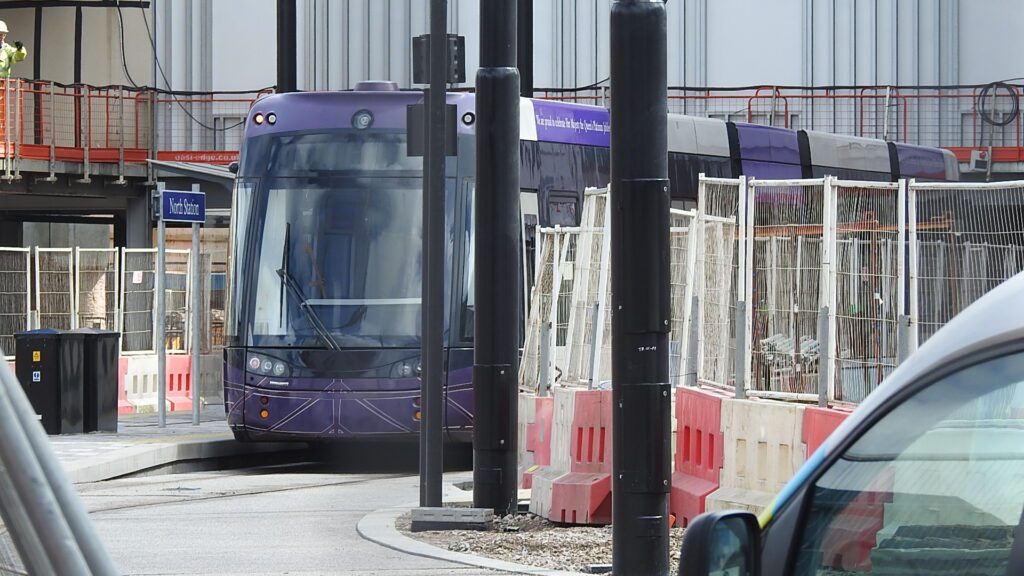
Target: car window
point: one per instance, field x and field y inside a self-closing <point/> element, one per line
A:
<point x="935" y="487"/>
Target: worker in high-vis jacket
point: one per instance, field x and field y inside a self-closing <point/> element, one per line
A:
<point x="9" y="55"/>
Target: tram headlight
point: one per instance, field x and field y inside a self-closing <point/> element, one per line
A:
<point x="404" y="369"/>
<point x="271" y="118"/>
<point x="362" y="119"/>
<point x="260" y="364"/>
<point x="258" y="118"/>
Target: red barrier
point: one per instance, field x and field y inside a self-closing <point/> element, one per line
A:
<point x="819" y="423"/>
<point x="699" y="446"/>
<point x="179" y="382"/>
<point x="583" y="496"/>
<point x="123" y="405"/>
<point x="848" y="543"/>
<point x="538" y="437"/>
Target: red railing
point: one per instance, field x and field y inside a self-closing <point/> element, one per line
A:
<point x="47" y="121"/>
<point x="946" y="116"/>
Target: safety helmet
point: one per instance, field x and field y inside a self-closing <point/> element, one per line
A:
<point x="3" y="26"/>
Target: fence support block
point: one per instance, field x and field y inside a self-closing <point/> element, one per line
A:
<point x="905" y="339"/>
<point x="823" y="356"/>
<point x="741" y="351"/>
<point x="693" y="345"/>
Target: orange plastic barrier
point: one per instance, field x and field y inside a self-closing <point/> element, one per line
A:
<point x="698" y="457"/>
<point x="583" y="496"/>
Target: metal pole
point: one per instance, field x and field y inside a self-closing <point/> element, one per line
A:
<point x="159" y="328"/>
<point x="496" y="341"/>
<point x="991" y="139"/>
<point x="544" y="360"/>
<point x="77" y="519"/>
<point x="595" y="326"/>
<point x="19" y="526"/>
<point x="286" y="46"/>
<point x="195" y="332"/>
<point x="741" y="351"/>
<point x="524" y="47"/>
<point x="823" y="356"/>
<point x="641" y="288"/>
<point x="30" y="483"/>
<point x="431" y="431"/>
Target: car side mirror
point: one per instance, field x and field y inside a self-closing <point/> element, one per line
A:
<point x="722" y="544"/>
<point x="233" y="167"/>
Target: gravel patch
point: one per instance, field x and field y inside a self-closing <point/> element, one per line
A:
<point x="534" y="541"/>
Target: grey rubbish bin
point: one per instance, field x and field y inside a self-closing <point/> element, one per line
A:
<point x="49" y="366"/>
<point x="99" y="402"/>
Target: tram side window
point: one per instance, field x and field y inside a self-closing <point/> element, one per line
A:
<point x="563" y="208"/>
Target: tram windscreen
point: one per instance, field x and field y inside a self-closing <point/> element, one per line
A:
<point x="343" y="256"/>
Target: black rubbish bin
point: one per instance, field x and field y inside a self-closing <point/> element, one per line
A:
<point x="100" y="379"/>
<point x="49" y="365"/>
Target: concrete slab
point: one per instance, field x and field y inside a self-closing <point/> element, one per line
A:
<point x="379" y="527"/>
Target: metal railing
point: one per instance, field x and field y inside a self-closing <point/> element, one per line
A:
<point x="53" y="122"/>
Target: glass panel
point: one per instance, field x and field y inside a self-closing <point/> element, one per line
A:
<point x="563" y="211"/>
<point x="936" y="487"/>
<point x="241" y="209"/>
<point x="340" y="258"/>
<point x="469" y="298"/>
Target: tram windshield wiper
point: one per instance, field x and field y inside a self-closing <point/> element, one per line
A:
<point x="314" y="320"/>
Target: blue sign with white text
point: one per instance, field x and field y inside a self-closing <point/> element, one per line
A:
<point x="181" y="206"/>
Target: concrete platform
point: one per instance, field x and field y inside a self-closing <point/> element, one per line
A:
<point x="379" y="527"/>
<point x="140" y="444"/>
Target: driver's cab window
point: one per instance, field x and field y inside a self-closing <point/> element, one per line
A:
<point x="935" y="487"/>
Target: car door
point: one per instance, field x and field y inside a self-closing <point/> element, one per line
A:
<point x="935" y="486"/>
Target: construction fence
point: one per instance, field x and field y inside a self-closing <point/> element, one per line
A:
<point x="810" y="290"/>
<point x="108" y="289"/>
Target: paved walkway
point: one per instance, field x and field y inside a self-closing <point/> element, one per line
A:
<point x="140" y="444"/>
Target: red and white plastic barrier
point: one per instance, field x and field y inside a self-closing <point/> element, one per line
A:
<point x="537" y="442"/>
<point x="179" y="382"/>
<point x="698" y="452"/>
<point x="123" y="405"/>
<point x="543" y="477"/>
<point x="583" y="495"/>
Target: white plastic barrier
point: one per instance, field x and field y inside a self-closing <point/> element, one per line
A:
<point x="763" y="449"/>
<point x="141" y="382"/>
<point x="561" y="438"/>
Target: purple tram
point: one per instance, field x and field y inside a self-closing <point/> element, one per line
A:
<point x="323" y="326"/>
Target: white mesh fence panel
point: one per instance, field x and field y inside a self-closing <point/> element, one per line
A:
<point x="138" y="281"/>
<point x="55" y="288"/>
<point x="177" y="290"/>
<point x="785" y="266"/>
<point x="15" y="295"/>
<point x="96" y="288"/>
<point x="969" y="238"/>
<point x="716" y="274"/>
<point x="680" y="234"/>
<point x="867" y="285"/>
<point x="585" y="297"/>
<point x="530" y="370"/>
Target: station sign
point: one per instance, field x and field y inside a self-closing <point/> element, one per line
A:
<point x="182" y="206"/>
